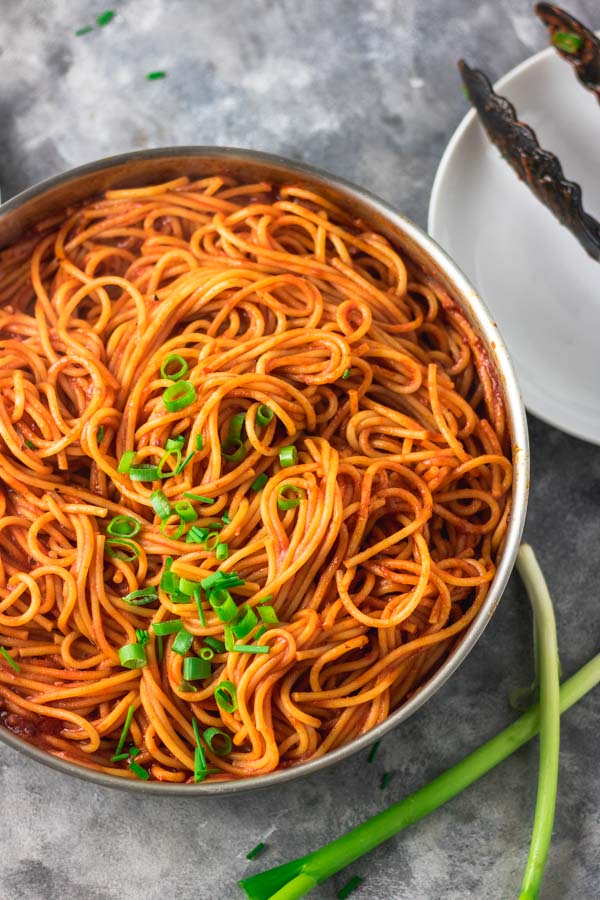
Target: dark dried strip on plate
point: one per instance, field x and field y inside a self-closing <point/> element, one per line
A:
<point x="575" y="43"/>
<point x="538" y="168"/>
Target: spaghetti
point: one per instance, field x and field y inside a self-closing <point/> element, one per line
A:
<point x="255" y="477"/>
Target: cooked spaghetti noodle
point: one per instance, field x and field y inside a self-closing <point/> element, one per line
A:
<point x="206" y="377"/>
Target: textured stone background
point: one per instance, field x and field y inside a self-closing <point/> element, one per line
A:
<point x="367" y="89"/>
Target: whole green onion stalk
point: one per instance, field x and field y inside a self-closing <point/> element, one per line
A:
<point x="299" y="876"/>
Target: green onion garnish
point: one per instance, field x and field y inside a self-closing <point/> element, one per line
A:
<point x="267" y="614"/>
<point x="233" y="450"/>
<point x="223" y="604"/>
<point x="196" y="669"/>
<point x="217" y="645"/>
<point x="105" y="17"/>
<point x="264" y="414"/>
<point x="185" y="509"/>
<point x="187" y="587"/>
<point x="179" y="395"/>
<point x="196" y="535"/>
<point x="166" y="456"/>
<point x="229" y="638"/>
<point x="154" y="76"/>
<point x="132" y="656"/>
<point x="260" y="632"/>
<point x="288" y="456"/>
<point x="160" y="504"/>
<point x="175" y="443"/>
<point x="225" y="518"/>
<point x="171" y="626"/>
<point x="181" y="466"/>
<point x="199" y="442"/>
<point x="29" y="444"/>
<point x="199" y="764"/>
<point x="186" y="687"/>
<point x="169" y="582"/>
<point x="125" y="731"/>
<point x="349" y="887"/>
<point x="245" y="622"/>
<point x="211" y="541"/>
<point x="159" y="648"/>
<point x="129" y="555"/>
<point x="373" y="751"/>
<point x="119" y="757"/>
<point x="222" y="580"/>
<point x="224" y="745"/>
<point x="179" y="597"/>
<point x="236" y="426"/>
<point x="226" y="696"/>
<point x="199" y="498"/>
<point x="178" y="531"/>
<point x="385" y="780"/>
<point x="207" y="653"/>
<point x="198" y="600"/>
<point x="284" y="502"/>
<point x="139" y="771"/>
<point x="142" y="636"/>
<point x="255" y="851"/>
<point x="100" y="434"/>
<point x="12" y="662"/>
<point x="567" y="41"/>
<point x="123" y="526"/>
<point x="196" y="728"/>
<point x="145" y="472"/>
<point x="260" y="482"/>
<point x="125" y="461"/>
<point x="177" y="360"/>
<point x="85" y="30"/>
<point x="221" y="552"/>
<point x="182" y="642"/>
<point x="346" y="374"/>
<point x="250" y="648"/>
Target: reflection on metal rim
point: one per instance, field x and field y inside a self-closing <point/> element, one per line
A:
<point x="54" y="194"/>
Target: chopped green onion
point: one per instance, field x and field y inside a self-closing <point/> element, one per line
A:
<point x="132" y="656"/>
<point x="264" y="414"/>
<point x="250" y="648"/>
<point x="179" y="395"/>
<point x="179" y="597"/>
<point x="161" y="466"/>
<point x="207" y="653"/>
<point x="221" y="579"/>
<point x="226" y="696"/>
<point x="284" y="502"/>
<point x="567" y="41"/>
<point x="142" y="636"/>
<point x="226" y="743"/>
<point x="186" y="687"/>
<point x="199" y="442"/>
<point x="199" y="498"/>
<point x="185" y="509"/>
<point x="179" y="530"/>
<point x="171" y="626"/>
<point x="260" y="632"/>
<point x="267" y="614"/>
<point x="174" y="359"/>
<point x="260" y="482"/>
<point x="346" y="374"/>
<point x="223" y="604"/>
<point x="288" y="456"/>
<point x="373" y="751"/>
<point x="233" y="450"/>
<point x="134" y="550"/>
<point x="154" y="76"/>
<point x="160" y="650"/>
<point x="196" y="535"/>
<point x="123" y="526"/>
<point x="85" y="30"/>
<point x="236" y="426"/>
<point x="160" y="504"/>
<point x="182" y="642"/>
<point x="125" y="461"/>
<point x="267" y="599"/>
<point x="349" y="887"/>
<point x="100" y="434"/>
<point x="29" y="444"/>
<point x="187" y="587"/>
<point x="245" y="622"/>
<point x="145" y="472"/>
<point x="12" y="662"/>
<point x="135" y="751"/>
<point x="221" y="552"/>
<point x="255" y="851"/>
<point x="217" y="645"/>
<point x="198" y="600"/>
<point x="119" y="757"/>
<point x="211" y="540"/>
<point x="181" y="466"/>
<point x="229" y="638"/>
<point x="199" y="764"/>
<point x="125" y="730"/>
<point x="105" y="17"/>
<point x="385" y="780"/>
<point x="139" y="771"/>
<point x="169" y="582"/>
<point x="225" y="518"/>
<point x="175" y="443"/>
<point x="196" y="669"/>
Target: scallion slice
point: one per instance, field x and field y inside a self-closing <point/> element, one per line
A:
<point x="171" y="626"/>
<point x="222" y="580"/>
<point x="128" y="555"/>
<point x="171" y="360"/>
<point x="132" y="656"/>
<point x="250" y="648"/>
<point x="182" y="642"/>
<point x="12" y="662"/>
<point x="236" y="426"/>
<point x="196" y="669"/>
<point x="259" y="482"/>
<point x="181" y="466"/>
<point x="160" y="504"/>
<point x="199" y="498"/>
<point x="100" y="434"/>
<point x="223" y="604"/>
<point x="178" y="395"/>
<point x="229" y="638"/>
<point x="139" y="770"/>
<point x="126" y="461"/>
<point x="288" y="456"/>
<point x="264" y="414"/>
<point x="125" y="731"/>
<point x="288" y="502"/>
<point x="123" y="526"/>
<point x="207" y="653"/>
<point x="346" y="373"/>
<point x="199" y="442"/>
<point x="198" y="601"/>
<point x="221" y="552"/>
<point x="142" y="636"/>
<point x="196" y="535"/>
<point x="166" y="456"/>
<point x="267" y="614"/>
<point x="175" y="443"/>
<point x="217" y="645"/>
<point x="255" y="851"/>
<point x="245" y="622"/>
<point x="145" y="472"/>
<point x="226" y="696"/>
<point x="185" y="510"/>
<point x="223" y="741"/>
<point x="233" y="451"/>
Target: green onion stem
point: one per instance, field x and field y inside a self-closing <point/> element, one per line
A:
<point x="295" y="878"/>
<point x="548" y="675"/>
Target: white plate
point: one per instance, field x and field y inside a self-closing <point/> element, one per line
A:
<point x="541" y="286"/>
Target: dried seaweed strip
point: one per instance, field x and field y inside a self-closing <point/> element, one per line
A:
<point x="538" y="168"/>
<point x="575" y="43"/>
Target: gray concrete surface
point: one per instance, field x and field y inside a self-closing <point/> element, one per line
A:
<point x="368" y="90"/>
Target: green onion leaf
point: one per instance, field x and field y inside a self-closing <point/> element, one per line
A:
<point x="233" y="450"/>
<point x="288" y="502"/>
<point x="123" y="526"/>
<point x="199" y="498"/>
<point x="236" y="426"/>
<point x="85" y="30"/>
<point x="221" y="552"/>
<point x="180" y="526"/>
<point x="222" y="579"/>
<point x="349" y="887"/>
<point x="29" y="444"/>
<point x="105" y="17"/>
<point x="267" y="614"/>
<point x="207" y="653"/>
<point x="199" y="442"/>
<point x="385" y="780"/>
<point x="196" y="535"/>
<point x="154" y="76"/>
<point x="185" y="509"/>
<point x="346" y="373"/>
<point x="373" y="751"/>
<point x="139" y="771"/>
<point x="171" y="626"/>
<point x="198" y="600"/>
<point x="567" y="41"/>
<point x="250" y="648"/>
<point x="187" y="587"/>
<point x="260" y="632"/>
<point x="223" y="604"/>
<point x="159" y="648"/>
<point x="226" y="696"/>
<point x="142" y="636"/>
<point x="132" y="656"/>
<point x="125" y="461"/>
<point x="181" y="466"/>
<point x="288" y="456"/>
<point x="175" y="443"/>
<point x="211" y="541"/>
<point x="229" y="638"/>
<point x="217" y="645"/>
<point x="225" y="518"/>
<point x="163" y="460"/>
<point x="264" y="414"/>
<point x="145" y="472"/>
<point x="255" y="851"/>
<point x="100" y="434"/>
<point x="182" y="642"/>
<point x="174" y="359"/>
<point x="245" y="622"/>
<point x="179" y="395"/>
<point x="169" y="582"/>
<point x="259" y="483"/>
<point x="160" y="504"/>
<point x="196" y="669"/>
<point x="199" y="764"/>
<point x="125" y="731"/>
<point x="119" y="757"/>
<point x="223" y="743"/>
<point x="128" y="555"/>
<point x="12" y="662"/>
